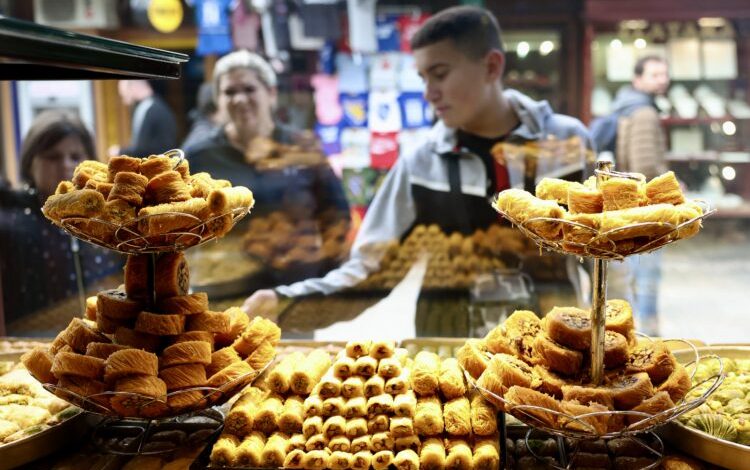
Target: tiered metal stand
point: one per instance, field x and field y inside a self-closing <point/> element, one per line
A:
<point x="138" y="426"/>
<point x="602" y="248"/>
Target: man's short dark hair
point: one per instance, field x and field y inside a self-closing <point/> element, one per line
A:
<point x="474" y="31"/>
<point x="158" y="86"/>
<point x="640" y="65"/>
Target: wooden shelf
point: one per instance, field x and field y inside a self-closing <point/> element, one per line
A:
<point x="532" y="84"/>
<point x="701" y="157"/>
<point x="675" y="121"/>
<point x="708" y="156"/>
<point x="738" y="212"/>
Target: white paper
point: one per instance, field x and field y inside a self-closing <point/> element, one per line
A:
<point x="393" y="318"/>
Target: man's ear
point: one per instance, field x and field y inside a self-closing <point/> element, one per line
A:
<point x="495" y="64"/>
<point x="637" y="82"/>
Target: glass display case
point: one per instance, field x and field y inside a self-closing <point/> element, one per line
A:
<point x="31" y="51"/>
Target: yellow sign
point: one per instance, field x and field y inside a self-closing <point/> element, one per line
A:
<point x="165" y="15"/>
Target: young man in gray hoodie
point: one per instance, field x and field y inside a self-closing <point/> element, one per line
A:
<point x="449" y="179"/>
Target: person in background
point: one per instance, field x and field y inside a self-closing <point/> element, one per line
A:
<point x="41" y="264"/>
<point x="640" y="147"/>
<point x="641" y="144"/>
<point x="242" y="150"/>
<point x="447" y="181"/>
<point x="153" y="127"/>
<point x="205" y="117"/>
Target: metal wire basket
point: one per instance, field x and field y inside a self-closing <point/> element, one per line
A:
<point x="133" y="405"/>
<point x="650" y="446"/>
<point x="129" y="239"/>
<point x="136" y="237"/>
<point x="611" y="244"/>
<point x="605" y="245"/>
<point x="580" y="427"/>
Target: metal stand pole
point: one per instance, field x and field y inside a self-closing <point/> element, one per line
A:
<point x="562" y="452"/>
<point x="599" y="300"/>
<point x="503" y="441"/>
<point x="151" y="284"/>
<point x="80" y="282"/>
<point x="598" y="310"/>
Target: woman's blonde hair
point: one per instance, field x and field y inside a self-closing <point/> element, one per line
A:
<point x="243" y="60"/>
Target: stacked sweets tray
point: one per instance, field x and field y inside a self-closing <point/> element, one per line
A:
<point x="434" y="402"/>
<point x="719" y="430"/>
<point x="536" y="370"/>
<point x="368" y="404"/>
<point x="621" y="216"/>
<point x="155" y="204"/>
<point x="149" y="348"/>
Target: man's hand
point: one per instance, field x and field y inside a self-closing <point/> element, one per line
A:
<point x="262" y="303"/>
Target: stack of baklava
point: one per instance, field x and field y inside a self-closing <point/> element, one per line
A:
<point x="527" y="362"/>
<point x="371" y="406"/>
<point x="149" y="197"/>
<point x="621" y="215"/>
<point x="136" y="358"/>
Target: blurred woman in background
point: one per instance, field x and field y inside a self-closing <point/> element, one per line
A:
<point x="284" y="167"/>
<point x="41" y="264"/>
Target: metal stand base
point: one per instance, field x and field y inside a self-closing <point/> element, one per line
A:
<point x="503" y="440"/>
<point x="147" y="437"/>
<point x="646" y="449"/>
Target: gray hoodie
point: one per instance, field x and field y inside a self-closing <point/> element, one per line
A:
<point x="421" y="188"/>
<point x="628" y="99"/>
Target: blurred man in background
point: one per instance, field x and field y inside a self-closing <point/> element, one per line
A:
<point x="639" y="146"/>
<point x="153" y="127"/>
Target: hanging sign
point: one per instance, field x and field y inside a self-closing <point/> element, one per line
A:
<point x="165" y="15"/>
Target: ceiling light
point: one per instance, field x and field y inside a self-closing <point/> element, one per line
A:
<point x="523" y="49"/>
<point x="546" y="47"/>
<point x="640" y="43"/>
<point x="728" y="173"/>
<point x="634" y="24"/>
<point x="710" y="22"/>
<point x="728" y="127"/>
<point x="615" y="44"/>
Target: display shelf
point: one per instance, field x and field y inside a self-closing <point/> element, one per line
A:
<point x="33" y="52"/>
<point x="534" y="84"/>
<point x="708" y="156"/>
<point x="677" y="121"/>
<point x="737" y="212"/>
